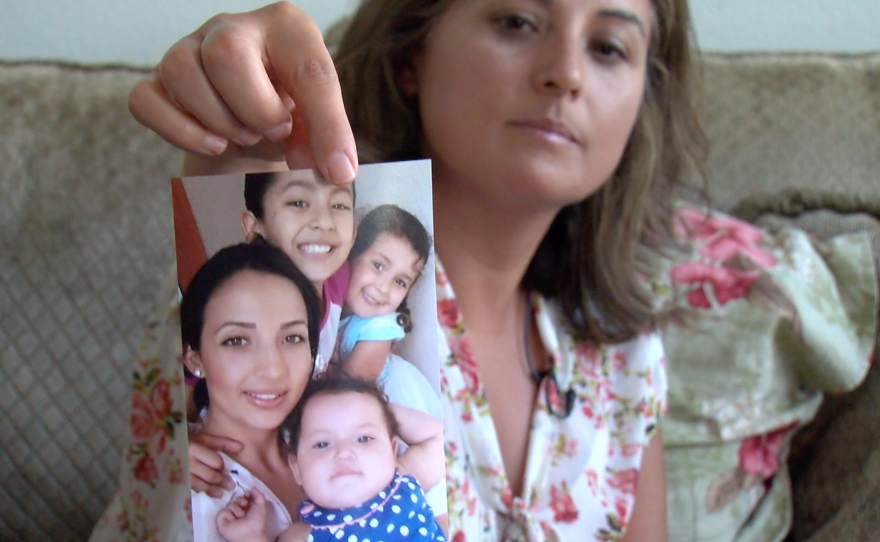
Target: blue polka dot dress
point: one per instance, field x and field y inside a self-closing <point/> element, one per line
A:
<point x="398" y="512"/>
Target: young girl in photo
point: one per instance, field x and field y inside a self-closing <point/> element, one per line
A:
<point x="312" y="221"/>
<point x="389" y="252"/>
<point x="341" y="443"/>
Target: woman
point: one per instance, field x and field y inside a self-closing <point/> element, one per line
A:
<point x="556" y="130"/>
<point x="249" y="324"/>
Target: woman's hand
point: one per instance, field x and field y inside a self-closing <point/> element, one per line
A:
<point x="251" y="88"/>
<point x="206" y="466"/>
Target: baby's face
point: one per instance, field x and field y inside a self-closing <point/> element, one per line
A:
<point x="382" y="275"/>
<point x="345" y="455"/>
<point x="311" y="220"/>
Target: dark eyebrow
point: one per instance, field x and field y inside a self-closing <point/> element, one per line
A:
<point x="621" y="14"/>
<point x="299" y="183"/>
<point x="293" y="323"/>
<point x="626" y="16"/>
<point x="232" y="323"/>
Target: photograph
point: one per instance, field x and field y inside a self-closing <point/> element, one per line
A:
<point x="307" y="338"/>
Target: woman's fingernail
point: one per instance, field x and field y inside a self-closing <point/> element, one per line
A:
<point x="214" y="144"/>
<point x="248" y="137"/>
<point x="339" y="168"/>
<point x="279" y="132"/>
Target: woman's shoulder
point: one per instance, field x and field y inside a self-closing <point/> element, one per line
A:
<point x="646" y="348"/>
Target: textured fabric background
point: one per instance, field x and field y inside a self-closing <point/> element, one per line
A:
<point x="85" y="239"/>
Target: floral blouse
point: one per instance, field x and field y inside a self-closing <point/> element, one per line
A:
<point x="582" y="469"/>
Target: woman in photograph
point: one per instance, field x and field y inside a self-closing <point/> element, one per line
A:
<point x="249" y="324"/>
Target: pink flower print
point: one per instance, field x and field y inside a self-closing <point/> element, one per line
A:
<point x="589" y="358"/>
<point x="727" y="284"/>
<point x="447" y="313"/>
<point x="145" y="469"/>
<point x="760" y="454"/>
<point x="620" y="361"/>
<point x="440" y="278"/>
<point x="593" y="480"/>
<point x="160" y="399"/>
<point x="624" y="481"/>
<point x="143" y="422"/>
<point x="467" y="365"/>
<point x="591" y="412"/>
<point x="564" y="510"/>
<point x="725" y="237"/>
<point x="507" y="496"/>
<point x="621" y="508"/>
<point x="565" y="447"/>
<point x="630" y="449"/>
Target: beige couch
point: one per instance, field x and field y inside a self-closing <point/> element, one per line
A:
<point x="85" y="224"/>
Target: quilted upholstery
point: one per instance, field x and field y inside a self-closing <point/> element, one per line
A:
<point x="85" y="239"/>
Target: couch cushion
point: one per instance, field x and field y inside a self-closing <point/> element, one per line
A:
<point x="792" y="131"/>
<point x="85" y="239"/>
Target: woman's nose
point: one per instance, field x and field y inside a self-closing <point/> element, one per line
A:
<point x="560" y="64"/>
<point x="272" y="363"/>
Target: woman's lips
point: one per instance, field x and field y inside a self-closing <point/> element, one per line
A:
<point x="265" y="399"/>
<point x="549" y="128"/>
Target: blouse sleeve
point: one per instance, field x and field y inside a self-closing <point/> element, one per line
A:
<point x="381" y="328"/>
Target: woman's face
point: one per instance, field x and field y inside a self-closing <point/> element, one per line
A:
<point x="345" y="455"/>
<point x="309" y="219"/>
<point x="382" y="275"/>
<point x="255" y="350"/>
<point x="535" y="95"/>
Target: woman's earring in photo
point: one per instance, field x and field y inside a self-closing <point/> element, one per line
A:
<point x="198" y="373"/>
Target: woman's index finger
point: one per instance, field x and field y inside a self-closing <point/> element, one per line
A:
<point x="305" y="70"/>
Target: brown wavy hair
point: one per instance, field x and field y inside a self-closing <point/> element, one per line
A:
<point x="590" y="261"/>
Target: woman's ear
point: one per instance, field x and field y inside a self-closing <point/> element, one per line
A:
<point x="193" y="361"/>
<point x="250" y="226"/>
<point x="294" y="468"/>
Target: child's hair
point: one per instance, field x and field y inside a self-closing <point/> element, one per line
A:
<point x="388" y="218"/>
<point x="222" y="266"/>
<point x="333" y="382"/>
<point x="591" y="260"/>
<point x="255" y="187"/>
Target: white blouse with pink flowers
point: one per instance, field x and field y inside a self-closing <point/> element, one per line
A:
<point x="582" y="469"/>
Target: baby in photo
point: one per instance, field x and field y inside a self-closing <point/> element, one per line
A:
<point x="341" y="445"/>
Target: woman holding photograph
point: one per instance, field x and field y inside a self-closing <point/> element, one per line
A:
<point x="556" y="130"/>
